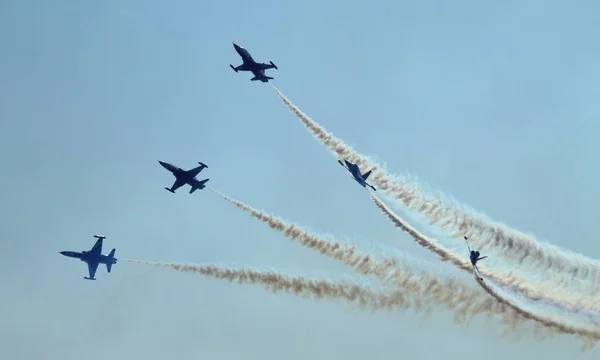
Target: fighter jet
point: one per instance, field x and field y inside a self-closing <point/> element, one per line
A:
<point x="183" y="177"/>
<point x="258" y="69"/>
<point x="94" y="257"/>
<point x="355" y="171"/>
<point x="474" y="257"/>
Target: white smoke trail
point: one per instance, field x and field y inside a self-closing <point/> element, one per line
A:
<point x="511" y="243"/>
<point x="464" y="301"/>
<point x="365" y="297"/>
<point x="445" y="255"/>
<point x="452" y="294"/>
<point x="507" y="279"/>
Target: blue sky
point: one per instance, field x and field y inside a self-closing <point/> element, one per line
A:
<point x="492" y="103"/>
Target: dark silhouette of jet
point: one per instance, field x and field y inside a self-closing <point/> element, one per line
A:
<point x="355" y="171"/>
<point x="94" y="257"/>
<point x="474" y="257"/>
<point x="258" y="69"/>
<point x="183" y="177"/>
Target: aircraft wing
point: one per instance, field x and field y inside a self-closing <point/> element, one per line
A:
<point x="177" y="184"/>
<point x="264" y="66"/>
<point x="97" y="249"/>
<point x="92" y="267"/>
<point x="476" y="269"/>
<point x="196" y="171"/>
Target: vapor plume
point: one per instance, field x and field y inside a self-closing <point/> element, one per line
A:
<point x="485" y="235"/>
<point x="464" y="301"/>
<point x="364" y="296"/>
<point x="444" y="255"/>
<point x="504" y="278"/>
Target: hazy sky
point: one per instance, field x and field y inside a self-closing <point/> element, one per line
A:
<point x="494" y="103"/>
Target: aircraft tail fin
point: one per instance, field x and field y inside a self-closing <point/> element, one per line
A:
<point x="111" y="256"/>
<point x="366" y="175"/>
<point x="198" y="185"/>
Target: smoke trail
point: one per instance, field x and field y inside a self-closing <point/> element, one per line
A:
<point x="365" y="297"/>
<point x="589" y="336"/>
<point x="511" y="243"/>
<point x="445" y="255"/>
<point x="273" y="281"/>
<point x="507" y="279"/>
<point x="319" y="289"/>
<point x="464" y="301"/>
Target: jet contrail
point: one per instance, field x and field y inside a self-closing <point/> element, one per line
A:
<point x="445" y="255"/>
<point x="589" y="336"/>
<point x="510" y="243"/>
<point x="508" y="279"/>
<point x="464" y="301"/>
<point x="366" y="297"/>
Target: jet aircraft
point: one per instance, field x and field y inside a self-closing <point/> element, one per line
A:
<point x="355" y="171"/>
<point x="474" y="257"/>
<point x="94" y="257"/>
<point x="183" y="177"/>
<point x="258" y="69"/>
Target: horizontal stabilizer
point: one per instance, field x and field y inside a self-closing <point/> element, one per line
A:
<point x="198" y="185"/>
<point x="111" y="256"/>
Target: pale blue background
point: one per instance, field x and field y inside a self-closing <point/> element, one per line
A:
<point x="495" y="103"/>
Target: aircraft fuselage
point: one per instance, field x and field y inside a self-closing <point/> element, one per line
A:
<point x="244" y="54"/>
<point x="189" y="177"/>
<point x="355" y="171"/>
<point x="474" y="257"/>
<point x="93" y="257"/>
<point x="87" y="257"/>
<point x="249" y="64"/>
<point x="172" y="168"/>
<point x="178" y="172"/>
<point x="185" y="176"/>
